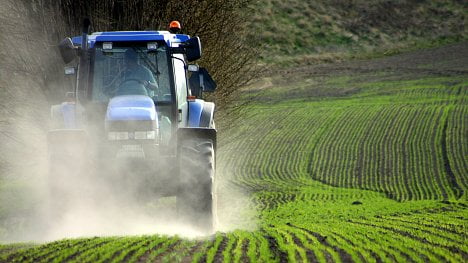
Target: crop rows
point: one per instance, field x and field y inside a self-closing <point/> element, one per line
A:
<point x="410" y="151"/>
<point x="457" y="146"/>
<point x="110" y="249"/>
<point x="409" y="237"/>
<point x="397" y="237"/>
<point x="282" y="164"/>
<point x="377" y="176"/>
<point x="410" y="144"/>
<point x="402" y="161"/>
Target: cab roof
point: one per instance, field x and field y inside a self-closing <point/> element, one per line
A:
<point x="129" y="36"/>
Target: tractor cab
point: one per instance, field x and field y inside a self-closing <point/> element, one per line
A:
<point x="118" y="72"/>
<point x="128" y="74"/>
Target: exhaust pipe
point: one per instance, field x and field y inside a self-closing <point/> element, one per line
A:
<point x="82" y="88"/>
<point x="84" y="36"/>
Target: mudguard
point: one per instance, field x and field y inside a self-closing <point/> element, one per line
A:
<point x="201" y="114"/>
<point x="190" y="133"/>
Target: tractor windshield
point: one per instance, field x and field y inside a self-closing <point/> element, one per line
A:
<point x="130" y="70"/>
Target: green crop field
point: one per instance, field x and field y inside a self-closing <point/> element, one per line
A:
<point x="342" y="163"/>
<point x="351" y="145"/>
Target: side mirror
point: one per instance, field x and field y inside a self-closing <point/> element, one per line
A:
<point x="192" y="49"/>
<point x="193" y="68"/>
<point x="206" y="81"/>
<point x="69" y="70"/>
<point x="201" y="81"/>
<point x="67" y="50"/>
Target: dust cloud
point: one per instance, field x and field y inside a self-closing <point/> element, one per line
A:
<point x="82" y="200"/>
<point x="83" y="194"/>
<point x="104" y="212"/>
<point x="95" y="204"/>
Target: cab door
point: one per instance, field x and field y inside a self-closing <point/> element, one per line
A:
<point x="180" y="76"/>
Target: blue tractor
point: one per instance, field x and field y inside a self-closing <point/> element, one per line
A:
<point x="136" y="116"/>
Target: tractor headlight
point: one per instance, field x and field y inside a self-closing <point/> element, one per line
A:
<point x="107" y="45"/>
<point x="117" y="136"/>
<point x="138" y="135"/>
<point x="145" y="135"/>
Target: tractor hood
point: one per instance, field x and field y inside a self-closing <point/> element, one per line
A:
<point x="131" y="108"/>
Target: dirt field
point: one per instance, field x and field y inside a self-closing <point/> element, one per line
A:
<point x="449" y="60"/>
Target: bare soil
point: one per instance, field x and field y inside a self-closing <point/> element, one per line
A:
<point x="446" y="60"/>
<point x="450" y="60"/>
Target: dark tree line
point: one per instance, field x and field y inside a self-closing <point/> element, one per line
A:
<point x="222" y="26"/>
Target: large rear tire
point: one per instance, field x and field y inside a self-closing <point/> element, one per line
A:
<point x="196" y="199"/>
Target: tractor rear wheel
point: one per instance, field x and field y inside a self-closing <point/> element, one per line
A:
<point x="196" y="195"/>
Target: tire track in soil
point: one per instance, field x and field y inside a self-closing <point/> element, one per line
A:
<point x="309" y="253"/>
<point x="133" y="251"/>
<point x="372" y="252"/>
<point x="76" y="254"/>
<point x="345" y="256"/>
<point x="361" y="257"/>
<point x="328" y="256"/>
<point x="376" y="257"/>
<point x="391" y="256"/>
<point x="245" y="248"/>
<point x="405" y="255"/>
<point x="210" y="246"/>
<point x="145" y="256"/>
<point x="118" y="252"/>
<point x="191" y="252"/>
<point x="218" y="258"/>
<point x="169" y="249"/>
<point x="274" y="248"/>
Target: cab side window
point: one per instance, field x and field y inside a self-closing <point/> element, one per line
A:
<point x="181" y="87"/>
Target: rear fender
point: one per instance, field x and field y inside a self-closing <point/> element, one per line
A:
<point x="201" y="114"/>
<point x="197" y="133"/>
